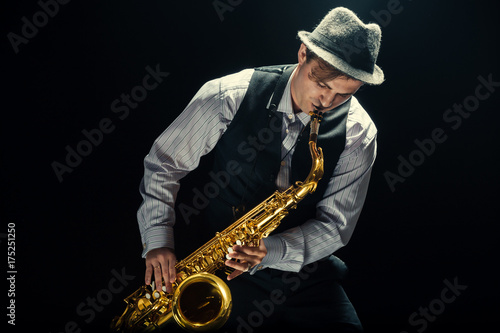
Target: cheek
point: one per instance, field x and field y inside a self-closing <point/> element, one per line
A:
<point x="313" y="91"/>
<point x="339" y="100"/>
<point x="308" y="92"/>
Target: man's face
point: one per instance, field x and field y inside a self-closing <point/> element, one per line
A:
<point x="309" y="94"/>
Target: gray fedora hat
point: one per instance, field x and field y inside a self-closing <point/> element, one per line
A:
<point x="346" y="43"/>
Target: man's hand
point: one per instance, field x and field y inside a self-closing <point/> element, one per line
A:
<point x="161" y="262"/>
<point x="247" y="256"/>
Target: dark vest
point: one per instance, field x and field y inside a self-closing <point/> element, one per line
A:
<point x="241" y="170"/>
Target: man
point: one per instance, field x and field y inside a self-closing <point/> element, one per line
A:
<point x="252" y="127"/>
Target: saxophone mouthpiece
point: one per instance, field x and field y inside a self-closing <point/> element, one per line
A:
<point x="316" y="114"/>
<point x="316" y="117"/>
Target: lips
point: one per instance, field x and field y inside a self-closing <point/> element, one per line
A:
<point x="318" y="108"/>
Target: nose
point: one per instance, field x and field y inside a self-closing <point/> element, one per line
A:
<point x="326" y="99"/>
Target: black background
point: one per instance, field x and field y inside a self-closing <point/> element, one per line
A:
<point x="438" y="224"/>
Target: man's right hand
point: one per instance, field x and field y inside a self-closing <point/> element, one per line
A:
<point x="161" y="262"/>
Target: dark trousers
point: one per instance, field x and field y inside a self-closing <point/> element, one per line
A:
<point x="272" y="300"/>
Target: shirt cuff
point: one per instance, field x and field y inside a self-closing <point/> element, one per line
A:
<point x="157" y="237"/>
<point x="275" y="250"/>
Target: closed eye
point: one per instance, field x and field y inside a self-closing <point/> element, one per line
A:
<point x="321" y="85"/>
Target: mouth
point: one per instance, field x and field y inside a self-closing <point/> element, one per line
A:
<point x="318" y="108"/>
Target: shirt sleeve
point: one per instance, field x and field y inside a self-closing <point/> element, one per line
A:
<point x="178" y="150"/>
<point x="338" y="212"/>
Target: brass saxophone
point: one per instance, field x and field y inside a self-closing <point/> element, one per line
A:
<point x="201" y="301"/>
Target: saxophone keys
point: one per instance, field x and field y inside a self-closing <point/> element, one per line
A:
<point x="181" y="276"/>
<point x="144" y="303"/>
<point x="208" y="261"/>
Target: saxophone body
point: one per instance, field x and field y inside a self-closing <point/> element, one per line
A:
<point x="201" y="301"/>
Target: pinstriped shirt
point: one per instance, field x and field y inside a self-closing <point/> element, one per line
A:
<point x="196" y="131"/>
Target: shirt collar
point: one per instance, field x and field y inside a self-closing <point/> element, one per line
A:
<point x="286" y="106"/>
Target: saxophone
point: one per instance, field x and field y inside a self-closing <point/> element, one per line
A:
<point x="201" y="301"/>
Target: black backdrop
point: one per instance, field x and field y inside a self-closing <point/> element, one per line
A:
<point x="76" y="232"/>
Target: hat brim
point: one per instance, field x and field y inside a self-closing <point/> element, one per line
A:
<point x="375" y="78"/>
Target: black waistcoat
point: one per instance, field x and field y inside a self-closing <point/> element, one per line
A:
<point x="241" y="170"/>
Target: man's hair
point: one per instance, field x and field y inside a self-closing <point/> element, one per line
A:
<point x="324" y="71"/>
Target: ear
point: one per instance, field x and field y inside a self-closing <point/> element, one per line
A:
<point x="302" y="54"/>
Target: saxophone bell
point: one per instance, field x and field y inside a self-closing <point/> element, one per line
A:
<point x="202" y="302"/>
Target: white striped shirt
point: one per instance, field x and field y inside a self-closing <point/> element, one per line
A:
<point x="195" y="132"/>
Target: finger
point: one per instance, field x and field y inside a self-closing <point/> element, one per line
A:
<point x="240" y="267"/>
<point x="250" y="250"/>
<point x="149" y="271"/>
<point x="171" y="271"/>
<point x="169" y="276"/>
<point x="244" y="255"/>
<point x="236" y="255"/>
<point x="158" y="276"/>
<point x="234" y="274"/>
<point x="165" y="277"/>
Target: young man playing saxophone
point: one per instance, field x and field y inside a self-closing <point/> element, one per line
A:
<point x="226" y="118"/>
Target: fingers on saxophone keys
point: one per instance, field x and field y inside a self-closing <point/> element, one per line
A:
<point x="231" y="253"/>
<point x="237" y="265"/>
<point x="157" y="294"/>
<point x="229" y="258"/>
<point x="156" y="289"/>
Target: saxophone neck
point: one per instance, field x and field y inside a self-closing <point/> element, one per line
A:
<point x="311" y="182"/>
<point x="317" y="170"/>
<point x="316" y="153"/>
